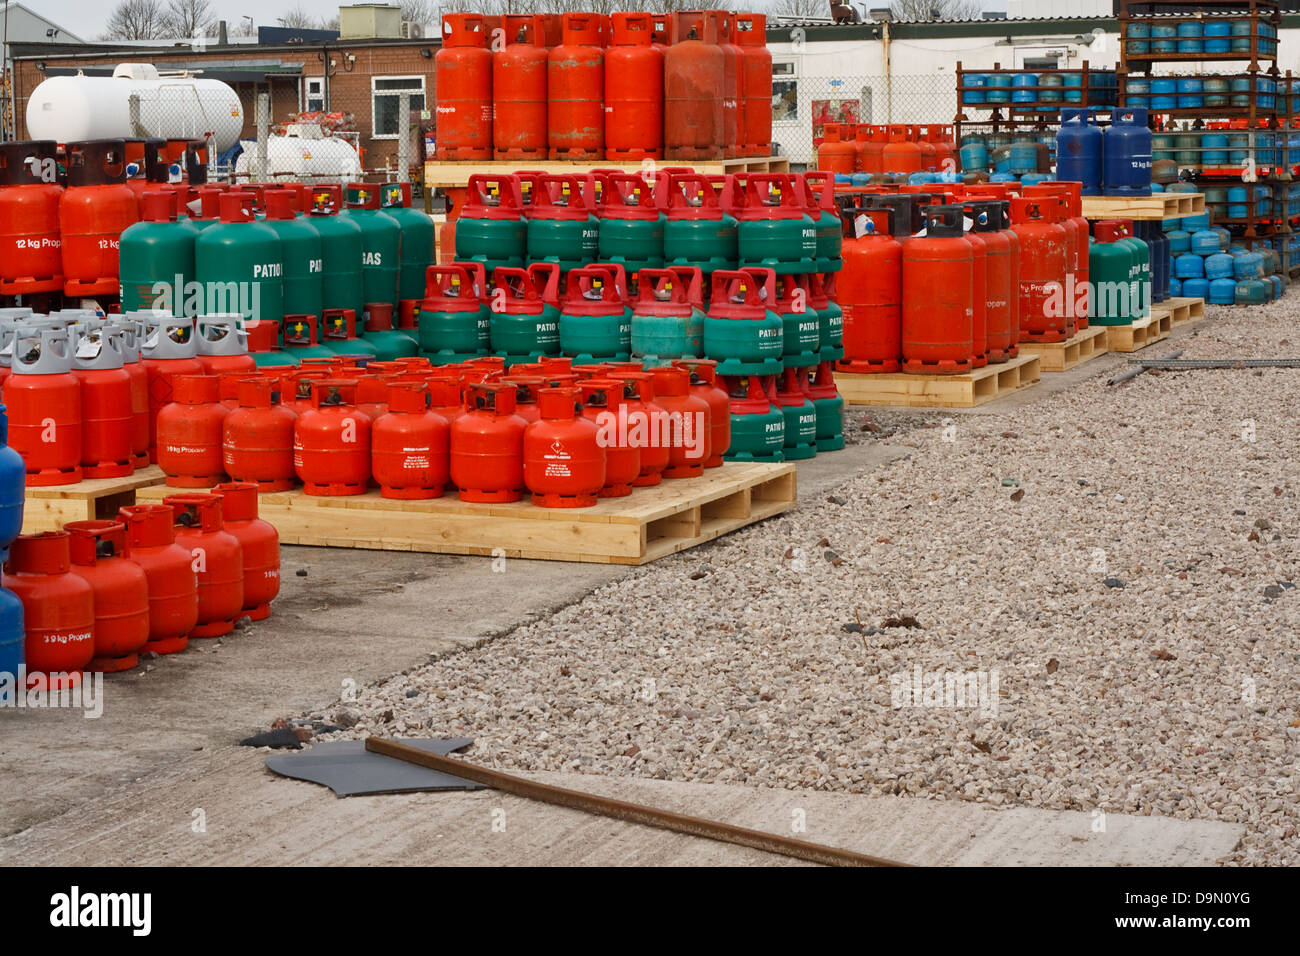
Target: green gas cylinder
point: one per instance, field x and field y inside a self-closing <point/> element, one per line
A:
<point x="523" y="327"/>
<point x="381" y="243"/>
<point x="1111" y="272"/>
<point x="491" y="228"/>
<point x="385" y="341"/>
<point x="300" y="251"/>
<point x="742" y="333"/>
<point x="819" y="198"/>
<point x="668" y="315"/>
<point x="156" y="258"/>
<point x="338" y="334"/>
<point x="238" y="263"/>
<point x="631" y="214"/>
<point x="775" y="228"/>
<point x="341" y="251"/>
<point x="299" y="335"/>
<point x="757" y="427"/>
<point x="829" y="404"/>
<point x="1139" y="272"/>
<point x="417" y="239"/>
<point x="594" y="326"/>
<point x="562" y="224"/>
<point x="699" y="229"/>
<point x="801" y="325"/>
<point x="788" y="392"/>
<point x="264" y="346"/>
<point x="454" y="322"/>
<point x="821" y="292"/>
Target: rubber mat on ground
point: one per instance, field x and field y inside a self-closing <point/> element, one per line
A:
<point x="347" y="768"/>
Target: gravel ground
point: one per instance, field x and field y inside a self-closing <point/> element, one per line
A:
<point x="1114" y="565"/>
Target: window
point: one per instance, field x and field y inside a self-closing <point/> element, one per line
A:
<point x="783" y="69"/>
<point x="384" y="102"/>
<point x="785" y="93"/>
<point x="313" y="94"/>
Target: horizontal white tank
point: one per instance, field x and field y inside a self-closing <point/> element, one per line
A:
<point x="73" y="108"/>
<point x="305" y="155"/>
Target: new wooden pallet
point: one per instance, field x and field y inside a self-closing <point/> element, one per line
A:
<point x="1156" y="206"/>
<point x="49" y="508"/>
<point x="646" y="525"/>
<point x="450" y="174"/>
<point x="1183" y="309"/>
<point x="941" y="391"/>
<point x="1058" y="356"/>
<point x="1130" y="338"/>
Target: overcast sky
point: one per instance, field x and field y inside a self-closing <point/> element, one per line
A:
<point x="85" y="18"/>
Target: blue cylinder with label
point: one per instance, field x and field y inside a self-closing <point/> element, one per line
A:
<point x="1126" y="155"/>
<point x="1079" y="150"/>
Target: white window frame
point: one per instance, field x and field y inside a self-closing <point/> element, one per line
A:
<point x="307" y="95"/>
<point x="376" y="93"/>
<point x="791" y="77"/>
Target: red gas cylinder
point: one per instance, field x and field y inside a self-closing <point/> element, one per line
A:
<point x="929" y="152"/>
<point x="938" y="285"/>
<point x="190" y="433"/>
<point x="979" y="298"/>
<point x="1077" y="286"/>
<point x="216" y="557"/>
<point x="372" y="397"/>
<point x="58" y="609"/>
<point x="169" y="348"/>
<point x="694" y="83"/>
<point x="944" y="148"/>
<point x="409" y="447"/>
<point x="173" y="585"/>
<point x="704" y="384"/>
<point x="638" y="399"/>
<point x="43" y="400"/>
<point x="519" y="90"/>
<point x="106" y="406"/>
<point x="259" y="543"/>
<point x="463" y="79"/>
<point x="1044" y="259"/>
<point x="634" y="89"/>
<point x="257" y="437"/>
<point x="95" y="208"/>
<point x="564" y="462"/>
<point x="755" y="83"/>
<point x="120" y="590"/>
<point x="446" y="398"/>
<point x="836" y="154"/>
<point x="986" y="221"/>
<point x="487" y="445"/>
<point x="30" y="259"/>
<point x="869" y="149"/>
<point x="900" y="154"/>
<point x="223" y="345"/>
<point x="870" y="289"/>
<point x="576" y="90"/>
<point x="620" y="436"/>
<point x="723" y="27"/>
<point x="687" y="425"/>
<point x="129" y="333"/>
<point x="296" y="386"/>
<point x="331" y="441"/>
<point x="526" y="389"/>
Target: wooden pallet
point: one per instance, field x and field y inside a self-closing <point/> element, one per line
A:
<point x="456" y="173"/>
<point x="1130" y="338"/>
<point x="48" y="509"/>
<point x="644" y="526"/>
<point x="941" y="391"/>
<point x="1156" y="206"/>
<point x="1183" y="309"/>
<point x="1079" y="348"/>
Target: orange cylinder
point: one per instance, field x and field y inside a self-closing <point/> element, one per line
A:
<point x="43" y="400"/>
<point x="331" y="441"/>
<point x="120" y="592"/>
<point x="687" y="422"/>
<point x="638" y="399"/>
<point x="129" y="334"/>
<point x="217" y="560"/>
<point x="409" y="446"/>
<point x="603" y="404"/>
<point x="870" y="289"/>
<point x="487" y="445"/>
<point x="106" y="407"/>
<point x="30" y="259"/>
<point x="979" y="300"/>
<point x="575" y="78"/>
<point x="564" y="463"/>
<point x="869" y="149"/>
<point x="1078" y="286"/>
<point x="755" y="83"/>
<point x="723" y="28"/>
<point x="173" y="585"/>
<point x="694" y="81"/>
<point x="190" y="433"/>
<point x="1044" y="257"/>
<point x="938" y="288"/>
<point x="257" y="437"/>
<point x="519" y="126"/>
<point x="462" y="71"/>
<point x="58" y="609"/>
<point x="634" y="90"/>
<point x="93" y="211"/>
<point x="835" y="154"/>
<point x="900" y="154"/>
<point x="259" y="543"/>
<point x="704" y="384"/>
<point x="999" y="291"/>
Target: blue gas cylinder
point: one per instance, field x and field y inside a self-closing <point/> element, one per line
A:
<point x="1222" y="292"/>
<point x="12" y="489"/>
<point x="1079" y="150"/>
<point x="1126" y="155"/>
<point x="11" y="633"/>
<point x="1189" y="266"/>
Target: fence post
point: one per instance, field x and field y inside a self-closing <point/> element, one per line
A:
<point x="404" y="137"/>
<point x="259" y="174"/>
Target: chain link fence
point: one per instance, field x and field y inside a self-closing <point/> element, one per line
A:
<point x="803" y="105"/>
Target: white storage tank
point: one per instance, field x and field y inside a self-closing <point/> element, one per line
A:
<point x="304" y="154"/>
<point x="73" y="108"/>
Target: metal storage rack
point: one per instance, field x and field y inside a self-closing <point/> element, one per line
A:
<point x="1261" y="57"/>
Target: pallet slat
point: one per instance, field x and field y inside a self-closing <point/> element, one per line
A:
<point x="649" y="524"/>
<point x="1060" y="356"/>
<point x="451" y="174"/>
<point x="1130" y="338"/>
<point x="1156" y="206"/>
<point x="941" y="391"/>
<point x="50" y="508"/>
<point x="1184" y="309"/>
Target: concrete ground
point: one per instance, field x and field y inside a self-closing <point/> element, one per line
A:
<point x="126" y="788"/>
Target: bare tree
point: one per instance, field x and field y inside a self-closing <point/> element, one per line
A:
<point x="420" y="11"/>
<point x="136" y="20"/>
<point x="802" y="9"/>
<point x="297" y="18"/>
<point x="186" y="18"/>
<point x="913" y="11"/>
